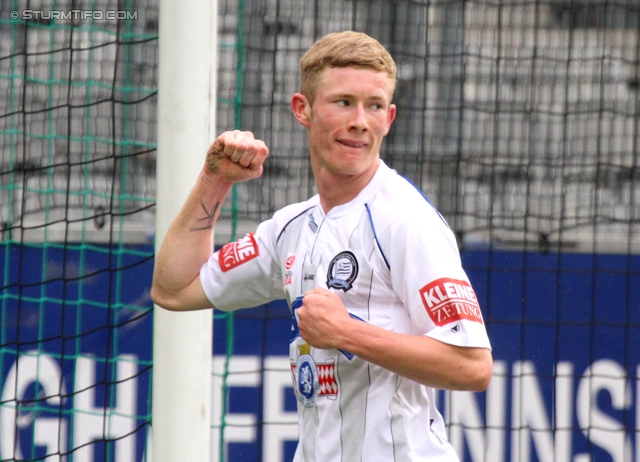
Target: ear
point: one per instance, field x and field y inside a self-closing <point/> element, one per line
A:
<point x="390" y="118"/>
<point x="301" y="109"/>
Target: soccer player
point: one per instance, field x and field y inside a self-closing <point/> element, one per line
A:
<point x="382" y="310"/>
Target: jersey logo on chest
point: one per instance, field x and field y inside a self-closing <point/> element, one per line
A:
<point x="343" y="270"/>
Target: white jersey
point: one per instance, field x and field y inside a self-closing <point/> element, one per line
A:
<point x="395" y="264"/>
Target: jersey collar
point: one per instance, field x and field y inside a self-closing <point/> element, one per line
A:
<point x="363" y="196"/>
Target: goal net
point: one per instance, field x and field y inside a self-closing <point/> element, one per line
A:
<point x="519" y="120"/>
<point x="77" y="136"/>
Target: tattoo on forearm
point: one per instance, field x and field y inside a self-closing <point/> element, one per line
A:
<point x="208" y="218"/>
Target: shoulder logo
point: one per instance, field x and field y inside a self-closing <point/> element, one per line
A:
<point x="450" y="300"/>
<point x="343" y="270"/>
<point x="236" y="253"/>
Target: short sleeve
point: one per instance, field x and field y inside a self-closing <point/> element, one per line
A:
<point x="243" y="274"/>
<point x="428" y="277"/>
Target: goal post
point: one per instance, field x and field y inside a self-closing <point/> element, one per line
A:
<point x="181" y="399"/>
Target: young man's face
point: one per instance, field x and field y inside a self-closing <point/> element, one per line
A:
<point x="351" y="114"/>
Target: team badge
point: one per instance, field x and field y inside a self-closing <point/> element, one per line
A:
<point x="312" y="380"/>
<point x="307" y="384"/>
<point x="343" y="270"/>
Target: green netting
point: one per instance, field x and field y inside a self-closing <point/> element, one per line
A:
<point x="231" y="210"/>
<point x="518" y="119"/>
<point x="77" y="136"/>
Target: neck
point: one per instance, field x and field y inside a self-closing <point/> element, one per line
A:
<point x="335" y="190"/>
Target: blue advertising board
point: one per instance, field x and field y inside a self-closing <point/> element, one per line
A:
<point x="565" y="331"/>
<point x="75" y="353"/>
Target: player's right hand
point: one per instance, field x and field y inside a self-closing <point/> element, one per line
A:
<point x="236" y="156"/>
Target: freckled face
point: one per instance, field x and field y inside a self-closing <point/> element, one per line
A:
<point x="349" y="118"/>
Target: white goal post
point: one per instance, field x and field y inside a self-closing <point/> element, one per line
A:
<point x="182" y="346"/>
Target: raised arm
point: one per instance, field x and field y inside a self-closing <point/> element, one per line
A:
<point x="232" y="158"/>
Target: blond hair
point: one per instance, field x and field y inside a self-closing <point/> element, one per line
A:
<point x="344" y="49"/>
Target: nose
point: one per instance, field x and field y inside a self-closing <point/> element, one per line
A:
<point x="358" y="118"/>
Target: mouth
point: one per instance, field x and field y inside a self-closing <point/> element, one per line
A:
<point x="353" y="144"/>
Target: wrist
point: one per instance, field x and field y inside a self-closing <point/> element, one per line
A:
<point x="215" y="182"/>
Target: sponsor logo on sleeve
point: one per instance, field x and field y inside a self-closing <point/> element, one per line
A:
<point x="450" y="300"/>
<point x="236" y="253"/>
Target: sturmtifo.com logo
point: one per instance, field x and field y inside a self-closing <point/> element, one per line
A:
<point x="72" y="15"/>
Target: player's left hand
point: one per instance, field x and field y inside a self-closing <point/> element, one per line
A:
<point x="323" y="319"/>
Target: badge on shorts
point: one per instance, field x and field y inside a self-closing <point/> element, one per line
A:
<point x="343" y="270"/>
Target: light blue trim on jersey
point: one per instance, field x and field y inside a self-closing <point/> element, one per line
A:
<point x="373" y="228"/>
<point x="426" y="198"/>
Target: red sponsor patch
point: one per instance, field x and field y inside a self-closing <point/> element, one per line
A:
<point x="236" y="253"/>
<point x="289" y="263"/>
<point x="449" y="300"/>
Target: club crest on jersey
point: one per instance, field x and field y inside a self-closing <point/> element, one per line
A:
<point x="343" y="270"/>
<point x="312" y="380"/>
<point x="306" y="383"/>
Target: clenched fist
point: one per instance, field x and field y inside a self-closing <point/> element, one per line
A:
<point x="323" y="319"/>
<point x="236" y="156"/>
